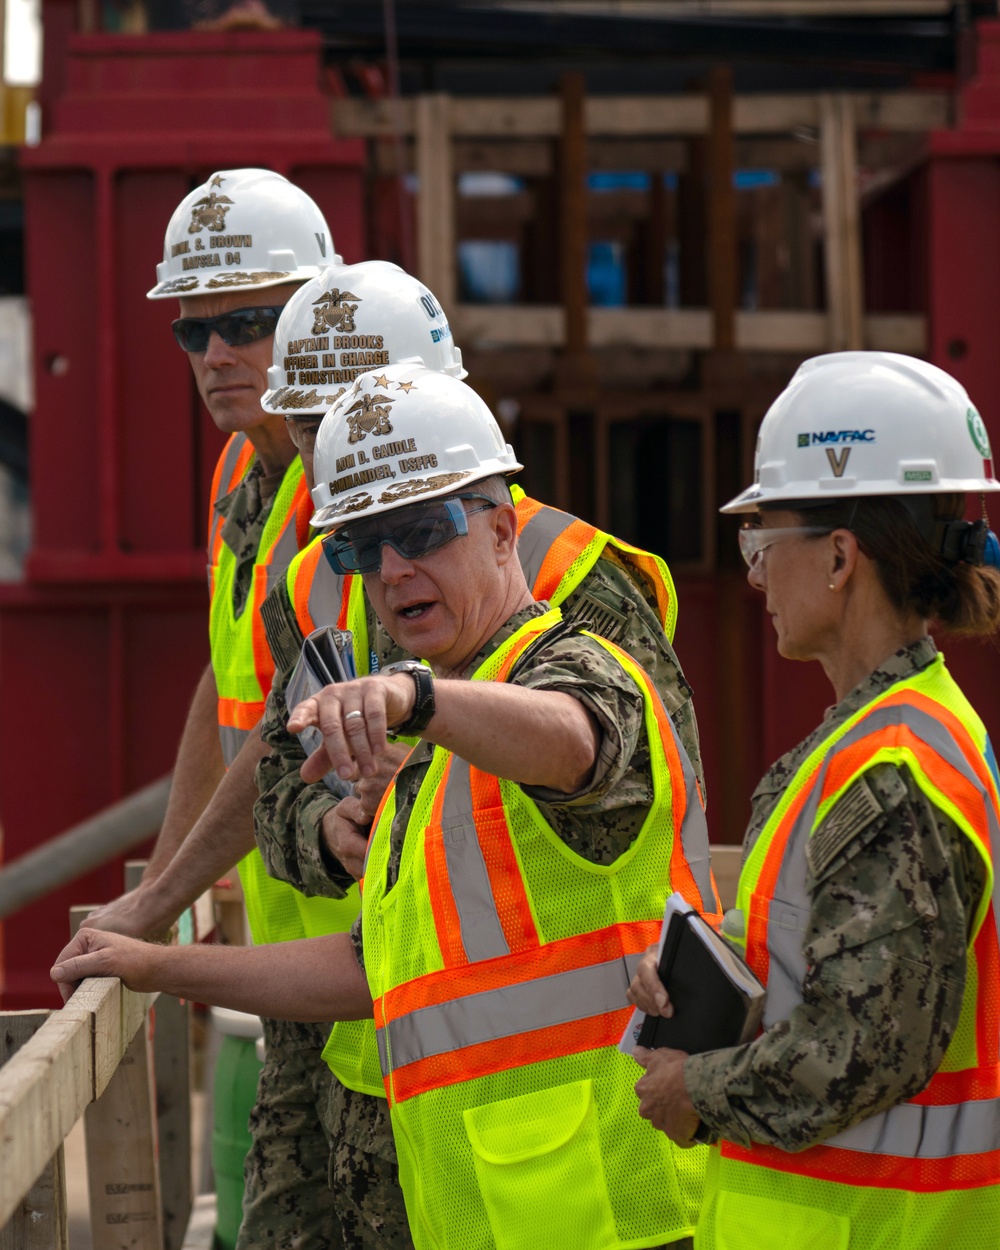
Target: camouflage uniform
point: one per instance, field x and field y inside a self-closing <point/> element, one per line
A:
<point x="285" y="1200"/>
<point x="885" y="950"/>
<point x="289" y="814"/>
<point x="246" y="509"/>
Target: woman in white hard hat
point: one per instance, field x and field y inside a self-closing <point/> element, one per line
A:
<point x="866" y="1114"/>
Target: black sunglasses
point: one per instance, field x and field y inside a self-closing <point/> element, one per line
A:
<point x="303" y="430"/>
<point x="413" y="532"/>
<point x="236" y="328"/>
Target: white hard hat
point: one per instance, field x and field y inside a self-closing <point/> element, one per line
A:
<point x="401" y="435"/>
<point x="350" y="319"/>
<point x="242" y="228"/>
<point x="868" y="423"/>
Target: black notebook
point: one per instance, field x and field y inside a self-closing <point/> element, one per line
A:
<point x="717" y="999"/>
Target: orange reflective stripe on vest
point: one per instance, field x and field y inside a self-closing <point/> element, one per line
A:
<point x="241" y="658"/>
<point x="557" y="551"/>
<point x="229" y="470"/>
<point x="553" y="999"/>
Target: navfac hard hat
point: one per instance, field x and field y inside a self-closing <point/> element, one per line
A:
<point x="868" y="423"/>
<point x="242" y="228"/>
<point x="351" y="319"/>
<point x="400" y="435"/>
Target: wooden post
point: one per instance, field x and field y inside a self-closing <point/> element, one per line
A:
<point x="41" y="1222"/>
<point x="573" y="214"/>
<point x="120" y="1129"/>
<point x="841" y="223"/>
<point x="722" y="248"/>
<point x="122" y="1169"/>
<point x="692" y="236"/>
<point x="172" y="1070"/>
<point x="436" y="199"/>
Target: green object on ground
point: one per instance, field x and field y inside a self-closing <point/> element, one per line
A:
<point x="236" y="1072"/>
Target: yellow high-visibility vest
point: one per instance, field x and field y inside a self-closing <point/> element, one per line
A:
<point x="498" y="964"/>
<point x="925" y="1174"/>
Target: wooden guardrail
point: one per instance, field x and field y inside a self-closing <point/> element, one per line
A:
<point x="62" y="1063"/>
<point x="95" y="1059"/>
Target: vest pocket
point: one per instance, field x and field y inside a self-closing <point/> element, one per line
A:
<point x="748" y="1222"/>
<point x="538" y="1164"/>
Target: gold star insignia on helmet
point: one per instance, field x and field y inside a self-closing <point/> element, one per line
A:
<point x="382" y="381"/>
<point x="217" y="181"/>
<point x="406" y="386"/>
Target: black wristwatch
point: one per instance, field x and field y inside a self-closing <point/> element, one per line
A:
<point x="423" y="705"/>
<point x="704" y="1135"/>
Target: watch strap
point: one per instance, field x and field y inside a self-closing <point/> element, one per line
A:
<point x="423" y="704"/>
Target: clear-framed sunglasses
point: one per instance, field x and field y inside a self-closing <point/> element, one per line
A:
<point x="754" y="539"/>
<point x="413" y="532"/>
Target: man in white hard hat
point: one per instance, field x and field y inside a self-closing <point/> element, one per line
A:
<point x="520" y="861"/>
<point x="236" y="250"/>
<point x="350" y="317"/>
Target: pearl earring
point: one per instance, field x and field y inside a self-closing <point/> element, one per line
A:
<point x="832" y="587"/>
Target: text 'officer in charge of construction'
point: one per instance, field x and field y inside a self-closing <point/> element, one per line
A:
<point x="866" y="1114"/>
<point x="518" y="865"/>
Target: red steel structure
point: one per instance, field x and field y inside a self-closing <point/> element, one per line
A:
<point x="100" y="648"/>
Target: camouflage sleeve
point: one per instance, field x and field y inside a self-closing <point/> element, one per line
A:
<point x="621" y="606"/>
<point x="288" y="814"/>
<point x="894" y="886"/>
<point x="600" y="821"/>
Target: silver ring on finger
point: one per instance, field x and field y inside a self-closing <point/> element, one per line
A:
<point x="352" y="715"/>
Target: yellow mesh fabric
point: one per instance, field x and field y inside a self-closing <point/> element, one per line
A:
<point x="351" y="1053"/>
<point x="232" y="638"/>
<point x="876" y="1218"/>
<point x="499" y="1160"/>
<point x="357" y="623"/>
<point x="496" y="1162"/>
<point x="279" y="913"/>
<point x="578" y="568"/>
<point x="405" y="910"/>
<point x="961" y="1052"/>
<point x="653" y="569"/>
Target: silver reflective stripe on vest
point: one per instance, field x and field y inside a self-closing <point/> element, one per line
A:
<point x="789" y="907"/>
<point x="968" y="1128"/>
<point x="506" y="1012"/>
<point x="326" y="594"/>
<point x="906" y="1130"/>
<point x="225" y="476"/>
<point x="232" y="741"/>
<point x="537" y="537"/>
<point x="284" y="551"/>
<point x="693" y="832"/>
<point x="482" y="933"/>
